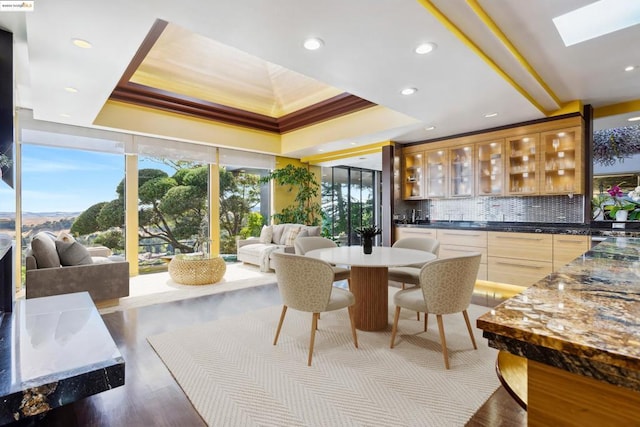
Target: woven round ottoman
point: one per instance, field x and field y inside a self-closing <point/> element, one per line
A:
<point x="196" y="270"/>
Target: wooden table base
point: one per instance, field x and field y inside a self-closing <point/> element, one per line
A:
<point x="370" y="287"/>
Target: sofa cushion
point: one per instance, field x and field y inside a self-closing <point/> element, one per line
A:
<point x="278" y="230"/>
<point x="290" y="235"/>
<point x="65" y="237"/>
<point x="72" y="253"/>
<point x="266" y="234"/>
<point x="44" y="250"/>
<point x="313" y="230"/>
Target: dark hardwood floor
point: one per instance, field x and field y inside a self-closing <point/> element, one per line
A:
<point x="151" y="397"/>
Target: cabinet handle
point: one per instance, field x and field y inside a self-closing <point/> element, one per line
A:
<point x="577" y="242"/>
<point x="461" y="234"/>
<point x="515" y="264"/>
<point x="459" y="250"/>
<point x="518" y="238"/>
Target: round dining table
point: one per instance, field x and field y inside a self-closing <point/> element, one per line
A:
<point x="369" y="280"/>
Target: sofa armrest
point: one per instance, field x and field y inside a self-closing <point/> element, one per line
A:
<point x="99" y="251"/>
<point x="102" y="281"/>
<point x="249" y="241"/>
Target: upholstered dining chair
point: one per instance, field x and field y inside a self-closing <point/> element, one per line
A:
<point x="410" y="274"/>
<point x="302" y="245"/>
<point x="306" y="284"/>
<point x="446" y="286"/>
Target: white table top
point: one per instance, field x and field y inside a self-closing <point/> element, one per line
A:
<point x="381" y="256"/>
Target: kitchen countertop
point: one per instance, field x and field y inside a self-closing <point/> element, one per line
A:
<point x="603" y="228"/>
<point x="584" y="318"/>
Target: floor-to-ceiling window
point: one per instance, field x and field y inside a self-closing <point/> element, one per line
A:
<point x="350" y="199"/>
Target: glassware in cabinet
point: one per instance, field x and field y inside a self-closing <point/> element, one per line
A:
<point x="436" y="164"/>
<point x="413" y="176"/>
<point x="461" y="171"/>
<point x="490" y="168"/>
<point x="560" y="161"/>
<point x="522" y="158"/>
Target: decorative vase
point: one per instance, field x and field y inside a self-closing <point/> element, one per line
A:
<point x="367" y="245"/>
<point x="621" y="215"/>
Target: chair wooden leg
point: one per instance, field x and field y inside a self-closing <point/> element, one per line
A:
<point x="352" y="319"/>
<point x="349" y="283"/>
<point x="418" y="316"/>
<point x="466" y="319"/>
<point x="402" y="285"/>
<point x="314" y="326"/>
<point x="394" y="329"/>
<point x="284" y="311"/>
<point x="443" y="340"/>
<point x="426" y="319"/>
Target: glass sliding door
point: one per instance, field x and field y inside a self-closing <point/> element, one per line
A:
<point x="350" y="199"/>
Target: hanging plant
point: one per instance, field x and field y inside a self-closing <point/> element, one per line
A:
<point x="614" y="145"/>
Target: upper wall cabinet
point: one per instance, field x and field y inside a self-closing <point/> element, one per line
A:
<point x="437" y="174"/>
<point x="461" y="181"/>
<point x="561" y="168"/>
<point x="413" y="165"/>
<point x="490" y="168"/>
<point x="543" y="158"/>
<point x="522" y="160"/>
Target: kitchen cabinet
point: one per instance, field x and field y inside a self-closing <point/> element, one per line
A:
<point x="455" y="243"/>
<point x="436" y="164"/>
<point x="489" y="177"/>
<point x="461" y="183"/>
<point x="561" y="162"/>
<point x="413" y="188"/>
<point x="402" y="232"/>
<point x="519" y="258"/>
<point x="522" y="160"/>
<point x="566" y="248"/>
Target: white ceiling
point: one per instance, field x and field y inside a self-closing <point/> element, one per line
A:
<point x="368" y="52"/>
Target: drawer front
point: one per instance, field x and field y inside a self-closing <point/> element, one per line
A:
<point x="526" y="246"/>
<point x="567" y="248"/>
<point x="402" y="232"/>
<point x="482" y="272"/>
<point x="451" y="251"/>
<point x="462" y="237"/>
<point x="520" y="272"/>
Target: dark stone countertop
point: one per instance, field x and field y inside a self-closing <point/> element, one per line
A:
<point x="584" y="318"/>
<point x="600" y="228"/>
<point x="53" y="351"/>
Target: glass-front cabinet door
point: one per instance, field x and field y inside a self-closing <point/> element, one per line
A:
<point x="413" y="181"/>
<point x="561" y="161"/>
<point x="522" y="152"/>
<point x="436" y="164"/>
<point x="461" y="171"/>
<point x="490" y="168"/>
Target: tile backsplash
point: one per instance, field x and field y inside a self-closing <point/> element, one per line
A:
<point x="549" y="209"/>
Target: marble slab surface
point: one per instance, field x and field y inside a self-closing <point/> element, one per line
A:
<point x="584" y="318"/>
<point x="53" y="351"/>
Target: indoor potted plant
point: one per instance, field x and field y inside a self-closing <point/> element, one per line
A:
<point x="367" y="234"/>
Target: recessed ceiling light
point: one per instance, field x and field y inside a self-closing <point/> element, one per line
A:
<point x="430" y="128"/>
<point x="353" y="143"/>
<point x="82" y="43"/>
<point x="408" y="91"/>
<point x="489" y="115"/>
<point x="633" y="119"/>
<point x="71" y="89"/>
<point x="425" y="48"/>
<point x="630" y="68"/>
<point x="65" y="115"/>
<point x="313" y="43"/>
<point x="320" y="150"/>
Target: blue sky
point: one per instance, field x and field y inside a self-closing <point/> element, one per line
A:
<point x="65" y="180"/>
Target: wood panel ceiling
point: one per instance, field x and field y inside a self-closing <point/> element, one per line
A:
<point x="179" y="71"/>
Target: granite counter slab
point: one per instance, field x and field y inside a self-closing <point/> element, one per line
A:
<point x="585" y="318"/>
<point x="53" y="351"/>
<point x="605" y="228"/>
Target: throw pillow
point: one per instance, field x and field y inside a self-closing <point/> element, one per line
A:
<point x="303" y="233"/>
<point x="73" y="253"/>
<point x="278" y="231"/>
<point x="266" y="234"/>
<point x="44" y="251"/>
<point x="290" y="235"/>
<point x="65" y="237"/>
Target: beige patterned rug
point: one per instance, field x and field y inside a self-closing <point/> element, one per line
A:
<point x="234" y="376"/>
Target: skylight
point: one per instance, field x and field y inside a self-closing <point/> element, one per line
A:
<point x="597" y="19"/>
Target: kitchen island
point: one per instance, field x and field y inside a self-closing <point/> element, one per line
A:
<point x="579" y="329"/>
